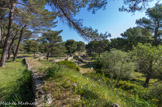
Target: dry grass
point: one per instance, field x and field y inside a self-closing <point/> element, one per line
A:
<point x="34" y="64"/>
<point x="84" y="70"/>
<point x="62" y="93"/>
<point x="86" y="67"/>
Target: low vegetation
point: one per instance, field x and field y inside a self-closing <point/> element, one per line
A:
<point x="89" y="90"/>
<point x="69" y="64"/>
<point x="15" y="83"/>
<point x="115" y="64"/>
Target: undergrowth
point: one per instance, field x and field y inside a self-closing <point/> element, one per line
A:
<point x="95" y="90"/>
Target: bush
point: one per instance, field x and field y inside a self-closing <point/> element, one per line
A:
<point x="124" y="85"/>
<point x="70" y="65"/>
<point x="52" y="71"/>
<point x="127" y="86"/>
<point x="156" y="95"/>
<point x="116" y="64"/>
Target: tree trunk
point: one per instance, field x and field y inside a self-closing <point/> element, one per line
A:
<point x="148" y="75"/>
<point x="156" y="33"/>
<point x="6" y="44"/>
<point x="34" y="55"/>
<point x="1" y="30"/>
<point x="47" y="55"/>
<point x="0" y="33"/>
<point x="18" y="45"/>
<point x="11" y="46"/>
<point x="1" y="42"/>
<point x="147" y="81"/>
<point x="155" y="38"/>
<point x="13" y="51"/>
<point x="10" y="50"/>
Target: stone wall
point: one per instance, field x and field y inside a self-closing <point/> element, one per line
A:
<point x="41" y="97"/>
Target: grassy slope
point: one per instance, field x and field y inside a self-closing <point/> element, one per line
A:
<point x="70" y="88"/>
<point x="91" y="91"/>
<point x="15" y="82"/>
<point x="141" y="79"/>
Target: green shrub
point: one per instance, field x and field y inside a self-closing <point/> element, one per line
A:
<point x="70" y="64"/>
<point x="156" y="95"/>
<point x="149" y="60"/>
<point x="127" y="86"/>
<point x="124" y="85"/>
<point x="116" y="64"/>
<point x="52" y="71"/>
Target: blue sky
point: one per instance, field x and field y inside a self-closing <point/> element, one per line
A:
<point x="109" y="20"/>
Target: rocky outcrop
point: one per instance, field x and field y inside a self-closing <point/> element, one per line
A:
<point x="69" y="58"/>
<point x="62" y="59"/>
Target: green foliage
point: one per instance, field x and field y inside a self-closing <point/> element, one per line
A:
<point x="60" y="66"/>
<point x="31" y="46"/>
<point x="98" y="47"/>
<point x="95" y="91"/>
<point x="91" y="34"/>
<point x="156" y="95"/>
<point x="71" y="46"/>
<point x="52" y="71"/>
<point x="70" y="65"/>
<point x="133" y="36"/>
<point x="36" y="17"/>
<point x="132" y="90"/>
<point x="80" y="46"/>
<point x="59" y="50"/>
<point x="116" y="64"/>
<point x="67" y="11"/>
<point x="148" y="59"/>
<point x="51" y="43"/>
<point x="133" y="6"/>
<point x="119" y="43"/>
<point x="153" y="22"/>
<point x="127" y="86"/>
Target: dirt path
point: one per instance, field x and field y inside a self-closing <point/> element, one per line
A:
<point x="33" y="64"/>
<point x="86" y="66"/>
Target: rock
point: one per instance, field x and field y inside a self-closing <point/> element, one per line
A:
<point x="115" y="105"/>
<point x="41" y="58"/>
<point x="37" y="85"/>
<point x="49" y="99"/>
<point x="58" y="60"/>
<point x="78" y="59"/>
<point x="69" y="58"/>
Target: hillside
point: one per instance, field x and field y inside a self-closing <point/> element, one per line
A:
<point x="68" y="87"/>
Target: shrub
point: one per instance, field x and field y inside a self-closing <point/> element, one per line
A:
<point x="116" y="64"/>
<point x="149" y="60"/>
<point x="70" y="64"/>
<point x="156" y="95"/>
<point x="52" y="71"/>
<point x="124" y="85"/>
<point x="127" y="86"/>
